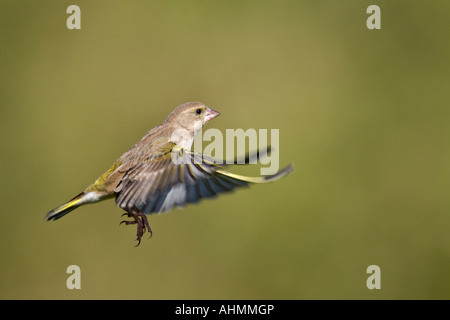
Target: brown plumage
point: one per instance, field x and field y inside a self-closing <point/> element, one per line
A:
<point x="160" y="172"/>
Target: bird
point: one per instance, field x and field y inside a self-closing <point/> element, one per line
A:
<point x="160" y="172"/>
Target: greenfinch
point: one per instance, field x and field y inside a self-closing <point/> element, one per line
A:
<point x="160" y="172"/>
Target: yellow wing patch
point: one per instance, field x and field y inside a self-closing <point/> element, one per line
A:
<point x="99" y="184"/>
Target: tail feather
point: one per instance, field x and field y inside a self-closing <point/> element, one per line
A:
<point x="64" y="209"/>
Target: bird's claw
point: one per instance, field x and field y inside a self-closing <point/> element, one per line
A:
<point x="142" y="223"/>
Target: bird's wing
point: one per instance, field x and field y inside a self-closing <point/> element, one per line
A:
<point x="175" y="177"/>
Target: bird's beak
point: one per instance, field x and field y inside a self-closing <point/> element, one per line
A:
<point x="210" y="114"/>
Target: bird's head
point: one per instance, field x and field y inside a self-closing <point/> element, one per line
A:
<point x="187" y="119"/>
<point x="192" y="116"/>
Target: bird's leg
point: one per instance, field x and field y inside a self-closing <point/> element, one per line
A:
<point x="141" y="220"/>
<point x="144" y="220"/>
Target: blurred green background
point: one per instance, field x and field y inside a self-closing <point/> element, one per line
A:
<point x="363" y="115"/>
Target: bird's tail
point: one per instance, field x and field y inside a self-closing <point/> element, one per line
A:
<point x="64" y="209"/>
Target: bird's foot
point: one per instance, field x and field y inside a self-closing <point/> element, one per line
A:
<point x="142" y="223"/>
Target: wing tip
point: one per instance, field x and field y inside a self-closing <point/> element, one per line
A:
<point x="282" y="173"/>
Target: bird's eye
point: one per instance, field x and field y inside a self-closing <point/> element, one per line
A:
<point x="198" y="111"/>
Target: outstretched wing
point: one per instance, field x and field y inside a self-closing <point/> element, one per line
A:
<point x="177" y="177"/>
